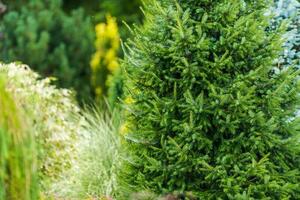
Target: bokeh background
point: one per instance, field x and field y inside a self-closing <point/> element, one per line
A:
<point x="77" y="42"/>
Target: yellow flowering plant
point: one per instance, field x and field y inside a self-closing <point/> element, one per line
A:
<point x="104" y="63"/>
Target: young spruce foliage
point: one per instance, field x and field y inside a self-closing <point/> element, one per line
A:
<point x="209" y="115"/>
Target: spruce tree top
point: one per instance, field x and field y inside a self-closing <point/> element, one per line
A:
<point x="209" y="115"/>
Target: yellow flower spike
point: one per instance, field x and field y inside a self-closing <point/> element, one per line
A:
<point x="113" y="66"/>
<point x="98" y="91"/>
<point x="100" y="29"/>
<point x="109" y="80"/>
<point x="124" y="129"/>
<point x="95" y="61"/>
<point x="110" y="55"/>
<point x="128" y="100"/>
<point x="105" y="59"/>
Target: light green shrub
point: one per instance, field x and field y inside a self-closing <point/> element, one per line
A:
<point x="51" y="112"/>
<point x="18" y="151"/>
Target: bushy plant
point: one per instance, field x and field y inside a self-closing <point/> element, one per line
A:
<point x="18" y="154"/>
<point x="42" y="35"/>
<point x="209" y="116"/>
<point x="104" y="63"/>
<point x="289" y="10"/>
<point x="52" y="114"/>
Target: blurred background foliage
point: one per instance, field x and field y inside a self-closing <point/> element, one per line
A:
<point x="58" y="38"/>
<point x="54" y="43"/>
<point x="104" y="63"/>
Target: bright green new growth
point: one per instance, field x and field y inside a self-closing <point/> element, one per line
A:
<point x="18" y="176"/>
<point x="210" y="115"/>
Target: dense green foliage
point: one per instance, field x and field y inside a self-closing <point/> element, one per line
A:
<point x="41" y="34"/>
<point x="210" y="111"/>
<point x="18" y="155"/>
<point x="209" y="115"/>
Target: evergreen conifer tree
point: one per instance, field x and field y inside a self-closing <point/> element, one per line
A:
<point x="208" y="115"/>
